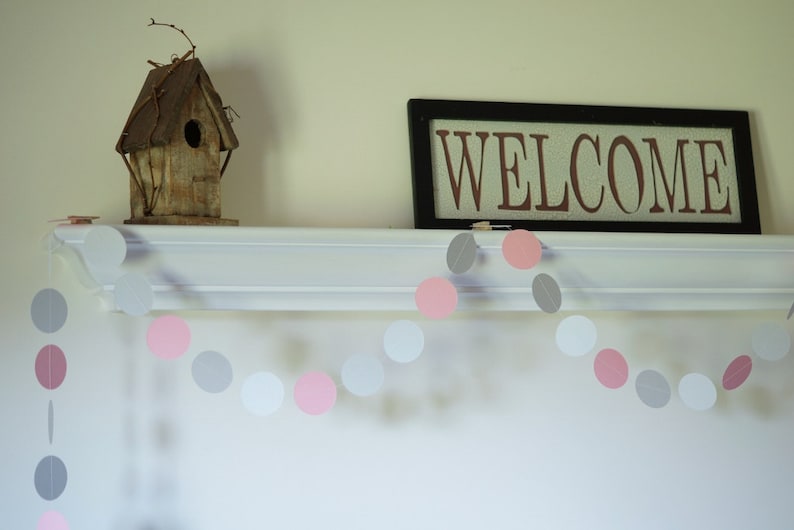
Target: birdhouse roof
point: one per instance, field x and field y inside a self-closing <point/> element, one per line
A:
<point x="152" y="123"/>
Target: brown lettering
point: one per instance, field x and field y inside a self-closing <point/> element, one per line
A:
<point x="512" y="169"/>
<point x="454" y="181"/>
<point x="575" y="172"/>
<point x="635" y="157"/>
<point x="714" y="175"/>
<point x="656" y="159"/>
<point x="544" y="196"/>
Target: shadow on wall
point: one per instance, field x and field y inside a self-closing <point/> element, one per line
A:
<point x="252" y="188"/>
<point x="150" y="475"/>
<point x="761" y="179"/>
<point x="461" y="367"/>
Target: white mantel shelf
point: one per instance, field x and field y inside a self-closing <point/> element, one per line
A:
<point x="323" y="269"/>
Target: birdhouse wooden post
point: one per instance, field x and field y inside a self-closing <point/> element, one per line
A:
<point x="174" y="137"/>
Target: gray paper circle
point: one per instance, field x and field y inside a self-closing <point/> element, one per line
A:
<point x="212" y="372"/>
<point x="50" y="478"/>
<point x="547" y="293"/>
<point x="652" y="388"/>
<point x="48" y="310"/>
<point x="134" y="294"/>
<point x="461" y="253"/>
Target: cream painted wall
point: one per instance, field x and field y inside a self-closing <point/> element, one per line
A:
<point x="493" y="428"/>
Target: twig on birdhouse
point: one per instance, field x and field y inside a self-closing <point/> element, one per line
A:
<point x="230" y="113"/>
<point x="155" y="188"/>
<point x="225" y="163"/>
<point x="176" y="61"/>
<point x="180" y="30"/>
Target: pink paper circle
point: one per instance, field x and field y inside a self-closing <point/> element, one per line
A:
<point x="52" y="520"/>
<point x="611" y="368"/>
<point x="521" y="249"/>
<point x="315" y="393"/>
<point x="436" y="297"/>
<point x="168" y="337"/>
<point x="737" y="372"/>
<point x="50" y="366"/>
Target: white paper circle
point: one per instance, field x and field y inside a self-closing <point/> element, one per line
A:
<point x="362" y="375"/>
<point x="403" y="341"/>
<point x="133" y="294"/>
<point x="262" y="393"/>
<point x="697" y="391"/>
<point x="771" y="341"/>
<point x="576" y="335"/>
<point x="104" y="247"/>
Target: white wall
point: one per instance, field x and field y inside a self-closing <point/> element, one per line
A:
<point x="492" y="427"/>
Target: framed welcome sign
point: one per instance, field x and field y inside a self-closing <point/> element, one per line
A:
<point x="587" y="168"/>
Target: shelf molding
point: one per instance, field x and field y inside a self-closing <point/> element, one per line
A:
<point x="328" y="269"/>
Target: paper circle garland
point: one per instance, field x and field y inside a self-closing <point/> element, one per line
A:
<point x="50" y="421"/>
<point x="315" y="393"/>
<point x="697" y="391"/>
<point x="652" y="388"/>
<point x="133" y="294"/>
<point x="611" y="368"/>
<point x="771" y="342"/>
<point x="436" y="298"/>
<point x="362" y="375"/>
<point x="50" y="367"/>
<point x="104" y="247"/>
<point x="576" y="335"/>
<point x="52" y="520"/>
<point x="168" y="337"/>
<point x="403" y="341"/>
<point x="737" y="372"/>
<point x="546" y="292"/>
<point x="50" y="478"/>
<point x="48" y="310"/>
<point x="212" y="372"/>
<point x="462" y="253"/>
<point x="262" y="393"/>
<point x="521" y="249"/>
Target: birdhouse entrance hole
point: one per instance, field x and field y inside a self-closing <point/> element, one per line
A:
<point x="193" y="133"/>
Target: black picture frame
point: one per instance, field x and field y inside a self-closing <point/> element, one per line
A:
<point x="733" y="124"/>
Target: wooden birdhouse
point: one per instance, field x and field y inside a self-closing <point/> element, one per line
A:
<point x="174" y="138"/>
